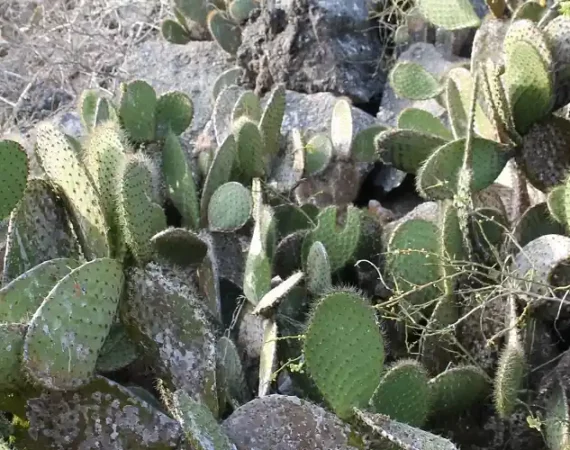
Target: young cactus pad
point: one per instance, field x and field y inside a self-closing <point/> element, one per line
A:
<point x="344" y="351"/>
<point x="13" y="175"/>
<point x="69" y="328"/>
<point x="318" y="269"/>
<point x="450" y="14"/>
<point x="225" y="31"/>
<point x="410" y="80"/>
<point x="272" y="118"/>
<point x="138" y="110"/>
<point x="230" y="207"/>
<point x="174" y="112"/>
<point x="318" y="154"/>
<point x="423" y="121"/>
<point x="250" y="147"/>
<point x="174" y="33"/>
<point x="342" y="128"/>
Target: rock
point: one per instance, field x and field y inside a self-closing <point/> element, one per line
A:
<point x="190" y="68"/>
<point x="278" y="422"/>
<point x="283" y="46"/>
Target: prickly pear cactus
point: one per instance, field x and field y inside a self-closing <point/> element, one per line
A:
<point x="410" y="80"/>
<point x="225" y="31"/>
<point x="12" y="336"/>
<point x="174" y="113"/>
<point x="138" y="104"/>
<point x="230" y="207"/>
<point x="341" y="321"/>
<point x="450" y="15"/>
<point x="65" y="335"/>
<point x="318" y="269"/>
<point x="13" y="176"/>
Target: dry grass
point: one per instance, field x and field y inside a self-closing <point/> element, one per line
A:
<point x="51" y="50"/>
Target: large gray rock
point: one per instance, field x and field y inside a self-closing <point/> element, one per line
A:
<point x="278" y="422"/>
<point x="313" y="46"/>
<point x="190" y="68"/>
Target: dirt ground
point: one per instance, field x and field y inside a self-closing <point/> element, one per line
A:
<point x="50" y="50"/>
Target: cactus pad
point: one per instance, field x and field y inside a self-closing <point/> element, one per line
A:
<point x="69" y="328"/>
<point x="557" y="33"/>
<point x="250" y="148"/>
<point x="272" y="299"/>
<point x="342" y="128"/>
<point x="450" y="15"/>
<point x="339" y="243"/>
<point x="247" y="105"/>
<point x="363" y="146"/>
<point x="403" y="394"/>
<point x="400" y="436"/>
<point x="223" y="108"/>
<point x="12" y="338"/>
<point x="174" y="112"/>
<point x="200" y="427"/>
<point x="164" y="314"/>
<point x="438" y="177"/>
<point x="180" y="184"/>
<point x="257" y="274"/>
<point x="240" y="9"/>
<point x="319" y="278"/>
<point x="272" y="118"/>
<point x="195" y="10"/>
<point x="230" y="207"/>
<point x="557" y="418"/>
<point x="225" y="31"/>
<point x="174" y="33"/>
<point x="424" y="122"/>
<point x="406" y="149"/>
<point x="180" y="247"/>
<point x="140" y="217"/>
<point x="219" y="173"/>
<point x="457" y="389"/>
<point x="137" y="110"/>
<point x="536" y="221"/>
<point x="87" y="106"/>
<point x="20" y="298"/>
<point x="318" y="154"/>
<point x="410" y="80"/>
<point x="13" y="176"/>
<point x="555" y="202"/>
<point x="65" y="170"/>
<point x="344" y="350"/>
<point x="230" y="377"/>
<point x="510" y="375"/>
<point x="118" y="351"/>
<point x="267" y="357"/>
<point x="38" y="231"/>
<point x="413" y="259"/>
<point x="228" y="78"/>
<point x="528" y="85"/>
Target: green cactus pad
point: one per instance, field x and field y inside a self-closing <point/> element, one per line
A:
<point x="118" y="351"/>
<point x="288" y="168"/>
<point x="342" y="128"/>
<point x="450" y="15"/>
<point x="410" y="80"/>
<point x="457" y="389"/>
<point x="102" y="411"/>
<point x="340" y="243"/>
<point x="250" y="148"/>
<point x="180" y="184"/>
<point x="247" y="105"/>
<point x="20" y="298"/>
<point x="230" y="376"/>
<point x="527" y="31"/>
<point x="240" y="9"/>
<point x="400" y="436"/>
<point x="225" y="31"/>
<point x="200" y="427"/>
<point x="268" y="357"/>
<point x="12" y="338"/>
<point x="13" y="176"/>
<point x="557" y="418"/>
<point x="87" y="106"/>
<point x="530" y="11"/>
<point x="288" y="259"/>
<point x="528" y="85"/>
<point x="438" y="177"/>
<point x="174" y="112"/>
<point x="228" y="78"/>
<point x="174" y="33"/>
<point x="555" y="202"/>
<point x="66" y="171"/>
<point x="341" y="323"/>
<point x="319" y="278"/>
<point x="510" y="376"/>
<point x="164" y="314"/>
<point x="487" y="227"/>
<point x="363" y="146"/>
<point x="140" y="217"/>
<point x="403" y="393"/>
<point x="180" y="247"/>
<point x="271" y="300"/>
<point x="458" y="116"/>
<point x="195" y="10"/>
<point x="535" y="222"/>
<point x="423" y="122"/>
<point x="291" y="218"/>
<point x="219" y="173"/>
<point x="406" y="149"/>
<point x="272" y="118"/>
<point x="451" y="243"/>
<point x="543" y="156"/>
<point x="318" y="154"/>
<point x="413" y="260"/>
<point x="70" y="327"/>
<point x="137" y="110"/>
<point x="223" y="109"/>
<point x="230" y="207"/>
